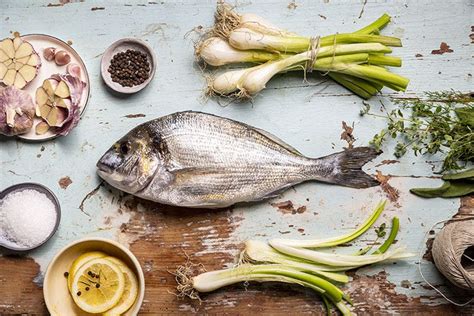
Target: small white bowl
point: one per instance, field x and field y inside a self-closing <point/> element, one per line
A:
<point x="55" y="291"/>
<point x="39" y="188"/>
<point x="121" y="46"/>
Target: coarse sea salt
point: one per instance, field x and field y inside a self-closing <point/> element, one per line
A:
<point x="27" y="217"/>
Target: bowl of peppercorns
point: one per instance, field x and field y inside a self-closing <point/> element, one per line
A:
<point x="128" y="65"/>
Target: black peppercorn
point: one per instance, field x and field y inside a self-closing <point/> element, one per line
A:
<point x="129" y="68"/>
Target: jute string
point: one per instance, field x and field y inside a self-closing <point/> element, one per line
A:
<point x="315" y="45"/>
<point x="448" y="249"/>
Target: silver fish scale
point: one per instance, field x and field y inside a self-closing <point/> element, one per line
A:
<point x="216" y="160"/>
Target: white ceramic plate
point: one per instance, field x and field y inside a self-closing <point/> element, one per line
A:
<point x="48" y="68"/>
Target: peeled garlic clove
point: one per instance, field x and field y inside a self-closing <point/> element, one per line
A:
<point x="74" y="70"/>
<point x="62" y="90"/>
<point x="44" y="110"/>
<point x="7" y="46"/>
<point x="62" y="58"/>
<point x="41" y="96"/>
<point x="24" y="50"/>
<point x="17" y="42"/>
<point x="19" y="82"/>
<point x="34" y="60"/>
<point x="49" y="53"/>
<point x="41" y="128"/>
<point x="3" y="70"/>
<point x="9" y="78"/>
<point x="19" y="63"/>
<point x="27" y="72"/>
<point x="3" y="56"/>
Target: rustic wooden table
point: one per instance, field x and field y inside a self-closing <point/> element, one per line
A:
<point x="307" y="115"/>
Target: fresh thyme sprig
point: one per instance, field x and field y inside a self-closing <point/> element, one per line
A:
<point x="438" y="122"/>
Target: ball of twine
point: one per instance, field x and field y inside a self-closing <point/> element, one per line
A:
<point x="448" y="249"/>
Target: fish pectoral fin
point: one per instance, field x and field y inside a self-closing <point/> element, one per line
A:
<point x="184" y="174"/>
<point x="275" y="194"/>
<point x="277" y="140"/>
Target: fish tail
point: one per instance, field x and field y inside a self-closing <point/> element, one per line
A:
<point x="345" y="168"/>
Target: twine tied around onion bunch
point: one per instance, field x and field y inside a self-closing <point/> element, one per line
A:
<point x="450" y="254"/>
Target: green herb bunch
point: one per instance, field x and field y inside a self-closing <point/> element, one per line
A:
<point x="439" y="122"/>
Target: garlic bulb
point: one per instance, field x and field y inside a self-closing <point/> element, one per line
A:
<point x="57" y="102"/>
<point x="17" y="111"/>
<point x="19" y="63"/>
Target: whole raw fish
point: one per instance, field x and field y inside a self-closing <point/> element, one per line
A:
<point x="195" y="159"/>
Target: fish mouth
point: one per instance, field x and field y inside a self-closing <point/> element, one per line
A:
<point x="103" y="168"/>
<point x="108" y="163"/>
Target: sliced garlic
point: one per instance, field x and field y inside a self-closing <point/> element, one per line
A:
<point x="53" y="102"/>
<point x="19" y="63"/>
<point x="41" y="128"/>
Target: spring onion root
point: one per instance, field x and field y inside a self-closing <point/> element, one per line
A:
<point x="289" y="261"/>
<point x="248" y="38"/>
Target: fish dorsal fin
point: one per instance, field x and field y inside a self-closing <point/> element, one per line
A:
<point x="277" y="140"/>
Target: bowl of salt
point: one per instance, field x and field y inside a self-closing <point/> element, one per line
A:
<point x="29" y="216"/>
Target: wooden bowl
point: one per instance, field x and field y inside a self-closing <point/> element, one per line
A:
<point x="42" y="189"/>
<point x="121" y="46"/>
<point x="55" y="290"/>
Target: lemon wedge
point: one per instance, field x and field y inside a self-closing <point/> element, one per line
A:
<point x="97" y="285"/>
<point x="130" y="292"/>
<point x="88" y="256"/>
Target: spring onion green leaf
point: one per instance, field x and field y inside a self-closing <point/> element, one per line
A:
<point x="335" y="241"/>
<point x="391" y="238"/>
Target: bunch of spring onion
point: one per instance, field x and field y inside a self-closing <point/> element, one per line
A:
<point x="297" y="262"/>
<point x="356" y="60"/>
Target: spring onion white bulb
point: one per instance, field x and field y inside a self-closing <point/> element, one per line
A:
<point x="255" y="81"/>
<point x="217" y="52"/>
<point x="227" y="82"/>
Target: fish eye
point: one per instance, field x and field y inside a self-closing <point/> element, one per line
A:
<point x="124" y="148"/>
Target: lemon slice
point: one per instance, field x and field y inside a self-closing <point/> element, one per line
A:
<point x="130" y="292"/>
<point x="88" y="256"/>
<point x="97" y="286"/>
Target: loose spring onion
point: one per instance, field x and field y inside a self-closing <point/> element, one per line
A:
<point x="335" y="241"/>
<point x="278" y="262"/>
<point x="210" y="281"/>
<point x="260" y="252"/>
<point x="339" y="260"/>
